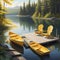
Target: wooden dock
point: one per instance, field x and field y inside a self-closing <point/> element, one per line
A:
<point x="14" y="54"/>
<point x="37" y="38"/>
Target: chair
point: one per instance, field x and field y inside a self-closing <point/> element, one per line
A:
<point x="40" y="29"/>
<point x="49" y="31"/>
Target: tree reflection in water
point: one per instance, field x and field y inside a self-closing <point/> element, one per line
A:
<point x="27" y="23"/>
<point x="17" y="47"/>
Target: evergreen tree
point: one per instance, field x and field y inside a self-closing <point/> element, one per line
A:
<point x="24" y="10"/>
<point x="46" y="7"/>
<point x="21" y="10"/>
<point x="55" y="7"/>
<point x="33" y="8"/>
<point x="29" y="9"/>
<point x="42" y="8"/>
<point x="38" y="9"/>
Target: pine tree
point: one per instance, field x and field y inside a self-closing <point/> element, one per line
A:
<point x="33" y="8"/>
<point x="38" y="9"/>
<point x="29" y="9"/>
<point x="24" y="9"/>
<point x="21" y="10"/>
<point x="55" y="7"/>
<point x="46" y="7"/>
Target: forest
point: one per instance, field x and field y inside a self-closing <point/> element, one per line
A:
<point x="44" y="8"/>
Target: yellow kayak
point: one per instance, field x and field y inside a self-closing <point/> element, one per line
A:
<point x="39" y="49"/>
<point x="16" y="39"/>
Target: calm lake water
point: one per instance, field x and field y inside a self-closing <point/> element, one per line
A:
<point x="27" y="25"/>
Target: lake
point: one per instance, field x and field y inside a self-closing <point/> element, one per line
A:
<point x="28" y="25"/>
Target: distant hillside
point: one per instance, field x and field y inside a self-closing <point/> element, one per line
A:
<point x="13" y="11"/>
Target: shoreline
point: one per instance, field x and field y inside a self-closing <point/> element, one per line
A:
<point x="51" y="18"/>
<point x="20" y="15"/>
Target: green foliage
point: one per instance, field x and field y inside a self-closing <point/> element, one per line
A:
<point x="47" y="15"/>
<point x="35" y="14"/>
<point x="46" y="7"/>
<point x="41" y="8"/>
<point x="39" y="15"/>
<point x="38" y="7"/>
<point x="55" y="7"/>
<point x="37" y="10"/>
<point x="29" y="9"/>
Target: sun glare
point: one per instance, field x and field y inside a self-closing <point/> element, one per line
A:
<point x="41" y="0"/>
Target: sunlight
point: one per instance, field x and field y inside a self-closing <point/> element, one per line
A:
<point x="19" y="3"/>
<point x="13" y="5"/>
<point x="41" y="0"/>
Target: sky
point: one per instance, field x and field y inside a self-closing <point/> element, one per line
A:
<point x="19" y="3"/>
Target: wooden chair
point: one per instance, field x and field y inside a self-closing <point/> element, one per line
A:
<point x="40" y="29"/>
<point x="49" y="31"/>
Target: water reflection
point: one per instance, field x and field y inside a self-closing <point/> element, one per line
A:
<point x="57" y="46"/>
<point x="17" y="47"/>
<point x="27" y="25"/>
<point x="55" y="23"/>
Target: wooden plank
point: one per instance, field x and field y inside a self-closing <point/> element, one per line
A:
<point x="14" y="53"/>
<point x="18" y="58"/>
<point x="10" y="49"/>
<point x="39" y="39"/>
